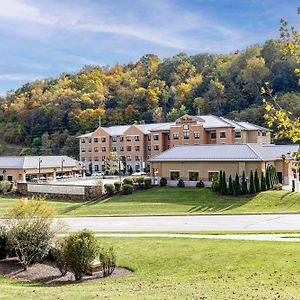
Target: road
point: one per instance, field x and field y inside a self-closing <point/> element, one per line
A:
<point x="186" y="223"/>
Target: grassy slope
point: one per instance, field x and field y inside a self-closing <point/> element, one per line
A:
<point x="184" y="269"/>
<point x="177" y="201"/>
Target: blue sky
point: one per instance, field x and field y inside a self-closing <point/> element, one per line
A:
<point x="43" y="38"/>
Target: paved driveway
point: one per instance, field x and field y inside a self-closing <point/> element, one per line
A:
<point x="187" y="223"/>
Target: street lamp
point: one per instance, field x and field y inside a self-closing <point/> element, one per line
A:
<point x="62" y="167"/>
<point x="40" y="161"/>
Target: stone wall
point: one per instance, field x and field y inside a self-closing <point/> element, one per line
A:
<point x="63" y="192"/>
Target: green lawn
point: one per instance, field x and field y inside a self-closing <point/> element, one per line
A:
<point x="158" y="201"/>
<point x="170" y="268"/>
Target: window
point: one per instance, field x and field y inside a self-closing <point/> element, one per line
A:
<point x="168" y="137"/>
<point x="9" y="178"/>
<point x="258" y="133"/>
<point x="96" y="158"/>
<point x="149" y="137"/>
<point x="137" y="168"/>
<point x="155" y="137"/>
<point x="95" y="140"/>
<point x="237" y="134"/>
<point x="149" y="148"/>
<point x="128" y="158"/>
<point x="121" y="148"/>
<point x="263" y="133"/>
<point x="83" y="158"/>
<point x="90" y="149"/>
<point x="193" y="176"/>
<point x="82" y="149"/>
<point x="103" y="158"/>
<point x="137" y="148"/>
<point x="137" y="138"/>
<point x="96" y="149"/>
<point x="186" y="135"/>
<point x="128" y="148"/>
<point x="175" y="136"/>
<point x="212" y="174"/>
<point x="174" y="175"/>
<point x="114" y="139"/>
<point x="213" y="135"/>
<point x="156" y="147"/>
<point x="121" y="138"/>
<point x="103" y="149"/>
<point x="83" y="141"/>
<point x="1" y="177"/>
<point x="96" y="168"/>
<point x="103" y="140"/>
<point x="197" y="135"/>
<point x="90" y="140"/>
<point x="114" y="149"/>
<point x="128" y="138"/>
<point x="137" y="158"/>
<point x="222" y="135"/>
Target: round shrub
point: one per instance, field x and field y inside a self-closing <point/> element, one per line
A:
<point x="140" y="180"/>
<point x="163" y="181"/>
<point x="118" y="186"/>
<point x="110" y="188"/>
<point x="200" y="184"/>
<point x="148" y="183"/>
<point x="128" y="180"/>
<point x="127" y="189"/>
<point x="181" y="183"/>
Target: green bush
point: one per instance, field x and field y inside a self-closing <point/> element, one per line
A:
<point x="128" y="180"/>
<point x="110" y="188"/>
<point x="181" y="183"/>
<point x="127" y="189"/>
<point x="200" y="184"/>
<point x="224" y="190"/>
<point x="263" y="186"/>
<point x="215" y="184"/>
<point x="230" y="186"/>
<point x="252" y="186"/>
<point x="256" y="182"/>
<point x="4" y="247"/>
<point x="148" y="183"/>
<point x="244" y="184"/>
<point x="118" y="186"/>
<point x="237" y="185"/>
<point x="139" y="180"/>
<point x="6" y="186"/>
<point x="220" y="181"/>
<point x="163" y="181"/>
<point x="80" y="250"/>
<point x="108" y="260"/>
<point x="59" y="255"/>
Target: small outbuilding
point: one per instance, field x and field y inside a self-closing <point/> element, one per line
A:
<point x="27" y="168"/>
<point x="202" y="162"/>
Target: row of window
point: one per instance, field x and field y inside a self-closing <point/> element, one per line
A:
<point x="9" y="178"/>
<point x="193" y="175"/>
<point x="103" y="158"/>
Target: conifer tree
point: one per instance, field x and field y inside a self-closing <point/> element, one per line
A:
<point x="268" y="184"/>
<point x="256" y="182"/>
<point x="237" y="186"/>
<point x="244" y="184"/>
<point x="224" y="190"/>
<point x="252" y="186"/>
<point x="263" y="186"/>
<point x="230" y="186"/>
<point x="220" y="180"/>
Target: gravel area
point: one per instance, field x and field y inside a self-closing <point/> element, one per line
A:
<point x="47" y="272"/>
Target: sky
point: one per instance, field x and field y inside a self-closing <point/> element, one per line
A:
<point x="43" y="38"/>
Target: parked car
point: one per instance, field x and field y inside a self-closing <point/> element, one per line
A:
<point x="138" y="174"/>
<point x="98" y="174"/>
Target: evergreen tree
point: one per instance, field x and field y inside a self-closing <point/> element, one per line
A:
<point x="268" y="184"/>
<point x="237" y="186"/>
<point x="256" y="182"/>
<point x="244" y="184"/>
<point x="252" y="186"/>
<point x="224" y="190"/>
<point x="220" y="180"/>
<point x="230" y="186"/>
<point x="263" y="186"/>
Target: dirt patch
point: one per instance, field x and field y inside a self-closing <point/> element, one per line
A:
<point x="47" y="272"/>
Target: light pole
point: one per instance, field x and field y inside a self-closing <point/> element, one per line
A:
<point x="62" y="167"/>
<point x="40" y="161"/>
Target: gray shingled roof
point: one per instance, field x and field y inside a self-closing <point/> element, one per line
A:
<point x="223" y="152"/>
<point x="251" y="126"/>
<point x="32" y="162"/>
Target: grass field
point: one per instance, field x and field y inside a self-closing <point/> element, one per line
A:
<point x="174" y="201"/>
<point x="184" y="269"/>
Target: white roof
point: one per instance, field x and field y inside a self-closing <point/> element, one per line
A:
<point x="32" y="162"/>
<point x="146" y="128"/>
<point x="116" y="130"/>
<point x="251" y="126"/>
<point x="225" y="152"/>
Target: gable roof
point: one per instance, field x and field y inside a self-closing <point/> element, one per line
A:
<point x="224" y="152"/>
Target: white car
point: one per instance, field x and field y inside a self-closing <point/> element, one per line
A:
<point x="138" y="174"/>
<point x="98" y="174"/>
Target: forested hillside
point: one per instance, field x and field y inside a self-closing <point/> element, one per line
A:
<point x="46" y="115"/>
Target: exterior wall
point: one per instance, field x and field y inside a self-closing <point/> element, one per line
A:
<point x="229" y="139"/>
<point x="257" y="136"/>
<point x="160" y="143"/>
<point x="243" y="139"/>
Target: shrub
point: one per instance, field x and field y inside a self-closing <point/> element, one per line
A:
<point x="181" y="183"/>
<point x="244" y="184"/>
<point x="4" y="247"/>
<point x="80" y="250"/>
<point x="230" y="186"/>
<point x="237" y="185"/>
<point x="110" y="188"/>
<point x="252" y="187"/>
<point x="215" y="184"/>
<point x="263" y="186"/>
<point x="140" y="180"/>
<point x="268" y="184"/>
<point x="200" y="184"/>
<point x="118" y="186"/>
<point x="163" y="181"/>
<point x="59" y="255"/>
<point x="256" y="182"/>
<point x="127" y="189"/>
<point x="30" y="229"/>
<point x="108" y="260"/>
<point x="5" y="186"/>
<point x="148" y="183"/>
<point x="220" y="181"/>
<point x="277" y="186"/>
<point x="224" y="190"/>
<point x="128" y="180"/>
<point x="100" y="186"/>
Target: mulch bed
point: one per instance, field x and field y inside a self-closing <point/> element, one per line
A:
<point x="47" y="272"/>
